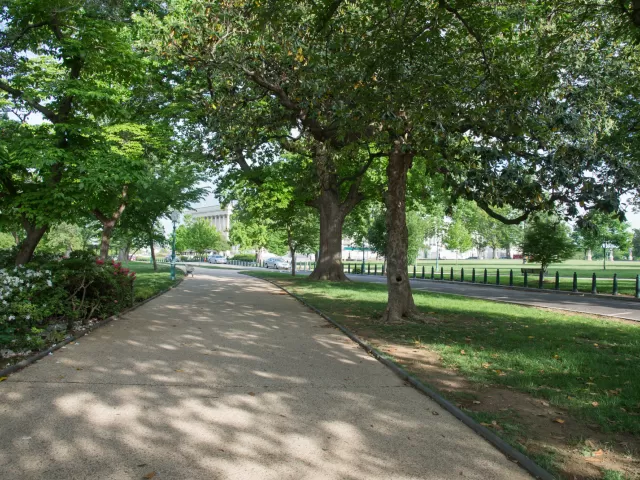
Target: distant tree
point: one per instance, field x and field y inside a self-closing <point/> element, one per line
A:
<point x="7" y="240"/>
<point x="635" y="243"/>
<point x="61" y="238"/>
<point x="597" y="229"/>
<point x="547" y="240"/>
<point x="458" y="238"/>
<point x="416" y="230"/>
<point x="256" y="234"/>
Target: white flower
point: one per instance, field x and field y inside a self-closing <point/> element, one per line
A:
<point x="49" y="283"/>
<point x="11" y="318"/>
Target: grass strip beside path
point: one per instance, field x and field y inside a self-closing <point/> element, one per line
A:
<point x="585" y="367"/>
<point x="148" y="282"/>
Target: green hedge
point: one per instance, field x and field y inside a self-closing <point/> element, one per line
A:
<point x="244" y="257"/>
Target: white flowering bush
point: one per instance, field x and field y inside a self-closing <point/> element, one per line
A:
<point x="28" y="298"/>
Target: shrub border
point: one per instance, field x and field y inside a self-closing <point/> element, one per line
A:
<point x="34" y="358"/>
<point x="507" y="450"/>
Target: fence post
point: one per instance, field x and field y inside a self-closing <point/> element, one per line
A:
<point x="541" y="280"/>
<point x="575" y="282"/>
<point x="473" y="275"/>
<point x="615" y="284"/>
<point x="382" y="270"/>
<point x="423" y="272"/>
<point x="432" y="273"/>
<point x="485" y="276"/>
<point x="451" y="274"/>
<point x="348" y="268"/>
<point x="462" y="274"/>
<point x="557" y="285"/>
<point x="594" y="284"/>
<point x="414" y="270"/>
<point x="637" y="286"/>
<point x="511" y="277"/>
<point x="525" y="282"/>
<point x="375" y="269"/>
<point x="497" y="276"/>
<point x="441" y="273"/>
<point x="368" y="269"/>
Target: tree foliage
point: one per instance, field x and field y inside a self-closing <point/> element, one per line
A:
<point x="547" y="240"/>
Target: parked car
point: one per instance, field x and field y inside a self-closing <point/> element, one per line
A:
<point x="216" y="259"/>
<point x="279" y="263"/>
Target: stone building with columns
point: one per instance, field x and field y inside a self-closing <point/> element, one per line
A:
<point x="216" y="215"/>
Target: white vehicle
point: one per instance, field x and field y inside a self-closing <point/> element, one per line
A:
<point x="279" y="263"/>
<point x="216" y="259"/>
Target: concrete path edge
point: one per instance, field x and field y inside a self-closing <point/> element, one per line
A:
<point x="507" y="450"/>
<point x="34" y="358"/>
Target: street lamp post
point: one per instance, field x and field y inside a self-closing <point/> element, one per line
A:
<point x="175" y="217"/>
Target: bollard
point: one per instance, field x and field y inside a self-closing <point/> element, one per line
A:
<point x="473" y="275"/>
<point x="451" y="274"/>
<point x="423" y="272"/>
<point x="594" y="284"/>
<point x="511" y="277"/>
<point x="526" y="279"/>
<point x="368" y="269"/>
<point x="432" y="273"/>
<point x="348" y="268"/>
<point x="485" y="276"/>
<point x="541" y="280"/>
<point x="497" y="276"/>
<point x="414" y="271"/>
<point x="382" y="273"/>
<point x="575" y="282"/>
<point x="637" y="286"/>
<point x="441" y="273"/>
<point x="557" y="285"/>
<point x="375" y="269"/>
<point x="615" y="284"/>
<point x="462" y="274"/>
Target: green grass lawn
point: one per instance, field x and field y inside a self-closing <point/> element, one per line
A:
<point x="148" y="282"/>
<point x="584" y="364"/>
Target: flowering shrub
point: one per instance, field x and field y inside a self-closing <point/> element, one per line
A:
<point x="27" y="299"/>
<point x="58" y="295"/>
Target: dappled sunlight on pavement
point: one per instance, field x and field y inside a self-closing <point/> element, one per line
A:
<point x="224" y="377"/>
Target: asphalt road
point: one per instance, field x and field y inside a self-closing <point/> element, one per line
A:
<point x="227" y="377"/>
<point x="618" y="308"/>
<point x="629" y="310"/>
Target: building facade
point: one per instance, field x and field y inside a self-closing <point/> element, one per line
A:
<point x="216" y="215"/>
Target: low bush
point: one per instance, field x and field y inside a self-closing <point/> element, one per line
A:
<point x="48" y="297"/>
<point x="244" y="257"/>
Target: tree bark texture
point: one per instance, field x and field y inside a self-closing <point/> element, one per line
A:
<point x="333" y="210"/>
<point x="33" y="236"/>
<point x="153" y="253"/>
<point x="400" y="299"/>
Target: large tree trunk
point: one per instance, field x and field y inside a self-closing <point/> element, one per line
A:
<point x="400" y="300"/>
<point x="105" y="240"/>
<point x="33" y="236"/>
<point x="329" y="264"/>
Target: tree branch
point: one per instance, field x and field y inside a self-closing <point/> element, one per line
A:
<point x="19" y="94"/>
<point x="501" y="218"/>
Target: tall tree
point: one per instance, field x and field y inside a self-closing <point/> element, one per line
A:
<point x="77" y="65"/>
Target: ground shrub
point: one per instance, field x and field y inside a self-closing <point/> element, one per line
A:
<point x="244" y="257"/>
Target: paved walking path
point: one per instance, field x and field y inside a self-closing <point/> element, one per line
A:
<point x="227" y="378"/>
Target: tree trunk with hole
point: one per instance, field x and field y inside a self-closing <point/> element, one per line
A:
<point x="400" y="300"/>
<point x="28" y="245"/>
